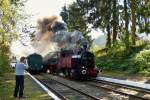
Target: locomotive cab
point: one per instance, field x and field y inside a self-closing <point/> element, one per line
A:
<point x="83" y="66"/>
<point x="88" y="62"/>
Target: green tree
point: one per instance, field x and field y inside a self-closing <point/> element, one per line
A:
<point x="7" y="23"/>
<point x="133" y="20"/>
<point x="114" y="18"/>
<point x="8" y="20"/>
<point x="143" y="15"/>
<point x="73" y="16"/>
<point x="126" y="18"/>
<point x="103" y="14"/>
<point x="64" y="14"/>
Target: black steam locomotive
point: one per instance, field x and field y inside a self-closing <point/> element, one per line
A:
<point x="76" y="66"/>
<point x="73" y="60"/>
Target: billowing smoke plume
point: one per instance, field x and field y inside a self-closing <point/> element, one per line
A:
<point x="52" y="36"/>
<point x="69" y="40"/>
<point x="43" y="43"/>
<point x="44" y="28"/>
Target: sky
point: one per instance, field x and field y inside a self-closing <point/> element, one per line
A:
<point x="45" y="8"/>
<point x="39" y="9"/>
<point x="42" y="8"/>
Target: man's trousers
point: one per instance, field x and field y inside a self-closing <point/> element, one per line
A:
<point x="19" y="85"/>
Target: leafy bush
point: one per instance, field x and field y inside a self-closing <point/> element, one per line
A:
<point x="147" y="47"/>
<point x="4" y="62"/>
<point x="117" y="50"/>
<point x="117" y="58"/>
<point x="3" y="65"/>
<point x="142" y="62"/>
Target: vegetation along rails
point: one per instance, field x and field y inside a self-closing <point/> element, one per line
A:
<point x="134" y="92"/>
<point x="64" y="91"/>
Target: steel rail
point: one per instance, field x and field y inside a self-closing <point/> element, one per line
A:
<point x="124" y="86"/>
<point x="118" y="85"/>
<point x="60" y="95"/>
<point x="83" y="93"/>
<point x="54" y="91"/>
<point x="117" y="91"/>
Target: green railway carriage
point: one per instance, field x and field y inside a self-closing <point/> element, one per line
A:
<point x="35" y="63"/>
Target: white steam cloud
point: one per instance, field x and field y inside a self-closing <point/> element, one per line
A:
<point x="52" y="36"/>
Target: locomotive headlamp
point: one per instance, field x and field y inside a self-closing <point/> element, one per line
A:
<point x="83" y="67"/>
<point x="83" y="72"/>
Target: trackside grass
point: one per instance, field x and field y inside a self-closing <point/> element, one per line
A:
<point x="31" y="90"/>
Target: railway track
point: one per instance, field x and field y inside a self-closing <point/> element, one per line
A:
<point x="127" y="90"/>
<point x="67" y="89"/>
<point x="124" y="85"/>
<point x="64" y="91"/>
<point x="131" y="92"/>
<point x="91" y="91"/>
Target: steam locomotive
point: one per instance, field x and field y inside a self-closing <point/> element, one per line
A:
<point x="66" y="62"/>
<point x="73" y="60"/>
<point x="76" y="66"/>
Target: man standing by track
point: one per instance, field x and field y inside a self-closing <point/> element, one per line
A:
<point x="19" y="70"/>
